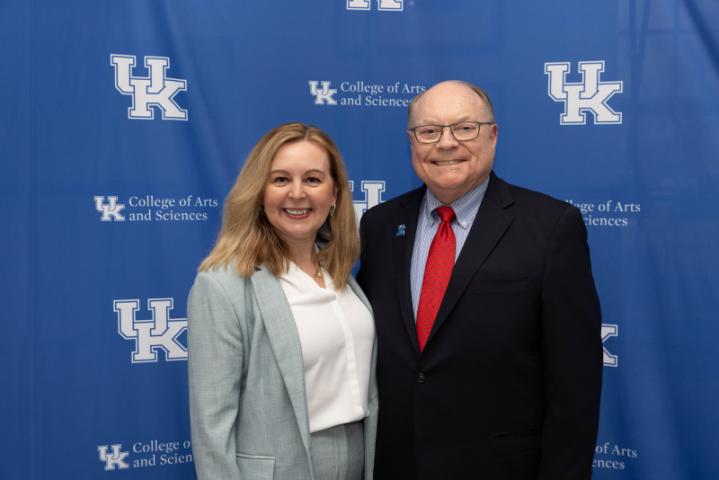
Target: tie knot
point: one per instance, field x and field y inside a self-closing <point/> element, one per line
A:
<point x="446" y="214"/>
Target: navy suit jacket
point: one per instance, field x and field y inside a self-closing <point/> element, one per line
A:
<point x="508" y="385"/>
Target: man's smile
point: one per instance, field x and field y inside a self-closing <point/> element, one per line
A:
<point x="447" y="162"/>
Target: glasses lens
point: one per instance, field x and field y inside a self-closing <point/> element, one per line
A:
<point x="428" y="133"/>
<point x="465" y="131"/>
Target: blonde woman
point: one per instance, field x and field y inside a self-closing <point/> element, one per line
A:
<point x="281" y="338"/>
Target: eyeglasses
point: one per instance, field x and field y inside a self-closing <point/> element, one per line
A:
<point x="462" y="131"/>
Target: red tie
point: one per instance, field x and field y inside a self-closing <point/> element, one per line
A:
<point x="437" y="271"/>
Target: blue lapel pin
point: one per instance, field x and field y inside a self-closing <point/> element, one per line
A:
<point x="400" y="230"/>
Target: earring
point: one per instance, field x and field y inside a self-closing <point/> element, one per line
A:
<point x="333" y="207"/>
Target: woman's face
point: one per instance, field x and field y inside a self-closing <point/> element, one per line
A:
<point x="299" y="192"/>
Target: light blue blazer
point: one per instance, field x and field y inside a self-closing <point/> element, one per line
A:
<point x="248" y="406"/>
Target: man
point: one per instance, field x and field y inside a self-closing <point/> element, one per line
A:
<point x="488" y="321"/>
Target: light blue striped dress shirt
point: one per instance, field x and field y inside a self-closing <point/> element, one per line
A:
<point x="465" y="210"/>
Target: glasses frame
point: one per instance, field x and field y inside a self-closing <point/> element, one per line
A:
<point x="442" y="127"/>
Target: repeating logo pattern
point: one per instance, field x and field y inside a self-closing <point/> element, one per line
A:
<point x="361" y="93"/>
<point x="159" y="333"/>
<point x="608" y="331"/>
<point x="146" y="454"/>
<point x="156" y="91"/>
<point x="612" y="456"/>
<point x="156" y="208"/>
<point x="589" y="95"/>
<point x="110" y="210"/>
<point x="382" y="5"/>
<point x="323" y="95"/>
<point x="114" y="460"/>
<point x="372" y="195"/>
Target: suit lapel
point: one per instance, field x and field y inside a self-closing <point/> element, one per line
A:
<point x="493" y="219"/>
<point x="285" y="343"/>
<point x="403" y="244"/>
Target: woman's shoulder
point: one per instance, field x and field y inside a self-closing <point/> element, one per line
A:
<point x="225" y="277"/>
<point x="229" y="278"/>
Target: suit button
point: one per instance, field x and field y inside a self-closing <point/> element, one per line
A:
<point x="420" y="377"/>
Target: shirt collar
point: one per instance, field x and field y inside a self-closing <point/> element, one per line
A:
<point x="465" y="207"/>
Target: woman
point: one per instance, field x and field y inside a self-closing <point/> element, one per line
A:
<point x="281" y="339"/>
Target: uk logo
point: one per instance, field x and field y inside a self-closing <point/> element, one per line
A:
<point x="382" y="5"/>
<point x="159" y="333"/>
<point x="149" y="93"/>
<point x="609" y="331"/>
<point x="114" y="460"/>
<point x="372" y="196"/>
<point x="323" y="95"/>
<point x="589" y="95"/>
<point x="110" y="210"/>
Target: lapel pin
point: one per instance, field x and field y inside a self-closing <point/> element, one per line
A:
<point x="400" y="230"/>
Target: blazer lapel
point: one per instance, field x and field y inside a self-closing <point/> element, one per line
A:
<point x="493" y="219"/>
<point x="285" y="342"/>
<point x="360" y="294"/>
<point x="403" y="244"/>
<point x="369" y="422"/>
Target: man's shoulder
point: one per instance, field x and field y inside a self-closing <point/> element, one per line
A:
<point x="526" y="198"/>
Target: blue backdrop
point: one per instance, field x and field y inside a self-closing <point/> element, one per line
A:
<point x="125" y="123"/>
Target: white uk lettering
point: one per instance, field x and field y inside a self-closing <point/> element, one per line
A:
<point x="372" y="196"/>
<point x="323" y="95"/>
<point x="609" y="331"/>
<point x="114" y="460"/>
<point x="382" y="5"/>
<point x="110" y="210"/>
<point x="159" y="333"/>
<point x="589" y="95"/>
<point x="157" y="90"/>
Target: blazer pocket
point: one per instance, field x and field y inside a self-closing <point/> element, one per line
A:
<point x="257" y="467"/>
<point x="501" y="284"/>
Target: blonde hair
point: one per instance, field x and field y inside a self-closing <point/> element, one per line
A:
<point x="247" y="239"/>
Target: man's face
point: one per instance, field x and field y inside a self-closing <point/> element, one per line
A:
<point x="450" y="168"/>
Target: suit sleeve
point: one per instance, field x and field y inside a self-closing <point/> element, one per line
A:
<point x="215" y="367"/>
<point x="572" y="354"/>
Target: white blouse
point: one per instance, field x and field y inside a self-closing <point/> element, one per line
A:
<point x="336" y="333"/>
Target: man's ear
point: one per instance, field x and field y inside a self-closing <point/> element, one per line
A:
<point x="494" y="133"/>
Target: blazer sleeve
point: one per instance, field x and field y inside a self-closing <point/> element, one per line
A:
<point x="215" y="367"/>
<point x="572" y="354"/>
